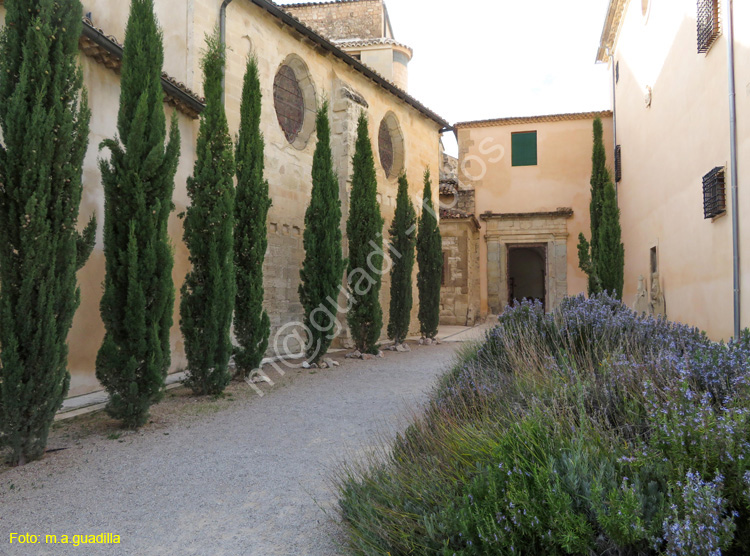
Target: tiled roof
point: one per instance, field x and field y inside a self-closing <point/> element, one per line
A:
<point x="302" y="4"/>
<point x="107" y="50"/>
<point x="363" y="43"/>
<point x="456" y="214"/>
<point x="536" y="119"/>
<point x="285" y="17"/>
<point x="449" y="186"/>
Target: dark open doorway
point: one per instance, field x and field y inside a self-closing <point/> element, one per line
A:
<point x="527" y="273"/>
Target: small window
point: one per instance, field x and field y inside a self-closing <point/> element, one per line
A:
<point x="654" y="260"/>
<point x="708" y="24"/>
<point x="618" y="164"/>
<point x="524" y="149"/>
<point x="714" y="196"/>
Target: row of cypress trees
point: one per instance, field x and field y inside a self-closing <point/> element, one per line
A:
<point x="602" y="258"/>
<point x="44" y="118"/>
<point x="323" y="267"/>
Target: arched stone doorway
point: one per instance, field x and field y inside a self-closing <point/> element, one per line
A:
<point x="527" y="273"/>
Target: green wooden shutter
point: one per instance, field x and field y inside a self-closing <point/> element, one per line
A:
<point x="524" y="148"/>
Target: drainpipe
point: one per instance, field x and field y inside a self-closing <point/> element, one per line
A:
<point x="223" y="40"/>
<point x="734" y="172"/>
<point x="614" y="114"/>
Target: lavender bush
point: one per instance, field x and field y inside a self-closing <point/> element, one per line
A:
<point x="590" y="430"/>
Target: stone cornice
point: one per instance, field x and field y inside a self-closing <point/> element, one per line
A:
<point x="563" y="212"/>
<point x="611" y="30"/>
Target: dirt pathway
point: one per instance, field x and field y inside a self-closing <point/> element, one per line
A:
<point x="248" y="479"/>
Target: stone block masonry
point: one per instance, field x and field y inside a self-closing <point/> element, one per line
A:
<point x="358" y="19"/>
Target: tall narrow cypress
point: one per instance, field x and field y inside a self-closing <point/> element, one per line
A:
<point x="44" y="117"/>
<point x="611" y="252"/>
<point x="403" y="241"/>
<point x="588" y="251"/>
<point x="323" y="266"/>
<point x="430" y="260"/>
<point x="364" y="230"/>
<point x="251" y="323"/>
<point x="138" y="299"/>
<point x="209" y="288"/>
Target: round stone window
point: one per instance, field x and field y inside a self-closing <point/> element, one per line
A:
<point x="294" y="101"/>
<point x="391" y="146"/>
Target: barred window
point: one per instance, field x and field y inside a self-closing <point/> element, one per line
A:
<point x="714" y="193"/>
<point x="618" y="164"/>
<point x="708" y="24"/>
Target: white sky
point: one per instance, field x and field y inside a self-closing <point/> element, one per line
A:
<point x="479" y="59"/>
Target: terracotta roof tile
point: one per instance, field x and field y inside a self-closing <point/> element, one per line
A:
<point x="536" y="119"/>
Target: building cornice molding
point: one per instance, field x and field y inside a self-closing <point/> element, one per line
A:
<point x="563" y="212"/>
<point x="535" y="119"/>
<point x="612" y="25"/>
<point x="108" y="51"/>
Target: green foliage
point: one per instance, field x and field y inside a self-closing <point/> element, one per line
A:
<point x="402" y="248"/>
<point x="592" y="430"/>
<point x="364" y="230"/>
<point x="44" y="117"/>
<point x="323" y="266"/>
<point x="209" y="289"/>
<point x="251" y="323"/>
<point x="611" y="252"/>
<point x="586" y="264"/>
<point x="138" y="179"/>
<point x="588" y="252"/>
<point x="430" y="260"/>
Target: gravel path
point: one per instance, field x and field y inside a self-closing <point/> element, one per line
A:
<point x="248" y="480"/>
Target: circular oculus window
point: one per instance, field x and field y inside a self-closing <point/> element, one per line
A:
<point x="294" y="101"/>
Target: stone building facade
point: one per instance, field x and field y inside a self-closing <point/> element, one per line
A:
<point x="320" y="70"/>
<point x="514" y="210"/>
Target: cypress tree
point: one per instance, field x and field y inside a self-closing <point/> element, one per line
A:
<point x="138" y="298"/>
<point x="611" y="252"/>
<point x="209" y="288"/>
<point x="44" y="117"/>
<point x="430" y="260"/>
<point x="251" y="323"/>
<point x="402" y="244"/>
<point x="364" y="230"/>
<point x="587" y="251"/>
<point x="323" y="266"/>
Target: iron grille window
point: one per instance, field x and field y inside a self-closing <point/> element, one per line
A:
<point x="708" y="24"/>
<point x="714" y="196"/>
<point x="618" y="164"/>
